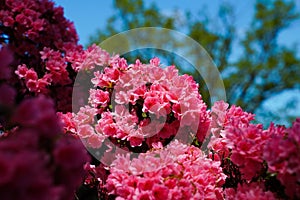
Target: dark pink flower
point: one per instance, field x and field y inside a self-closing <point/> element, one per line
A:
<point x="6" y="58"/>
<point x="160" y="192"/>
<point x="39" y="113"/>
<point x="8" y="94"/>
<point x="251" y="191"/>
<point x="28" y="28"/>
<point x="282" y="156"/>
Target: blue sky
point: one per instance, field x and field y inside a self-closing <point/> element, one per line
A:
<point x="90" y="15"/>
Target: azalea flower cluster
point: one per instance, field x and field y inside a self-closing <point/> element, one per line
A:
<point x="37" y="161"/>
<point x="282" y="156"/>
<point x="251" y="191"/>
<point x="137" y="105"/>
<point x="251" y="154"/>
<point x="176" y="172"/>
<point x="141" y="108"/>
<point x="236" y="138"/>
<point x="144" y="123"/>
<point x="43" y="44"/>
<point x="254" y="162"/>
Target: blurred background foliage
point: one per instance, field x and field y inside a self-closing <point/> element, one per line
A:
<point x="261" y="78"/>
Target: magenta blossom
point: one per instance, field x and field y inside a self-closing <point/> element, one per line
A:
<point x="282" y="155"/>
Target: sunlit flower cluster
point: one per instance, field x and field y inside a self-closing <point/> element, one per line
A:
<point x="139" y="105"/>
<point x="176" y="172"/>
<point x="143" y="124"/>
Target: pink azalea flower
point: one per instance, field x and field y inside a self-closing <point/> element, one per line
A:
<point x="282" y="155"/>
<point x="99" y="98"/>
<point x="133" y="103"/>
<point x="175" y="172"/>
<point x="251" y="191"/>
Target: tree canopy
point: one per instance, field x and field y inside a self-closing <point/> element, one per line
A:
<point x="264" y="67"/>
